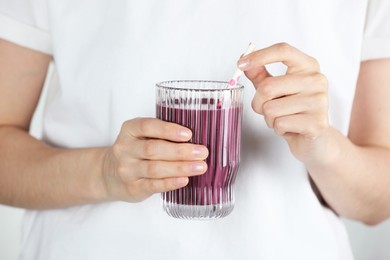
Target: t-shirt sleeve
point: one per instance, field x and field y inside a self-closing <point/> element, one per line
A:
<point x="376" y="42"/>
<point x="25" y="22"/>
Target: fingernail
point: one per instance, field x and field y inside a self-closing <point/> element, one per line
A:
<point x="181" y="181"/>
<point x="199" y="152"/>
<point x="197" y="167"/>
<point x="184" y="134"/>
<point x="243" y="63"/>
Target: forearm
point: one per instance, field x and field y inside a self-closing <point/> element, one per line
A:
<point x="35" y="175"/>
<point x="353" y="179"/>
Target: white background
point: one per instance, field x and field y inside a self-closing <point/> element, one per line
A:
<point x="368" y="243"/>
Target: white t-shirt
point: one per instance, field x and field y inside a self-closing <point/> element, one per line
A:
<point x="109" y="55"/>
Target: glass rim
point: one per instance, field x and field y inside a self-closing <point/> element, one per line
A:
<point x="164" y="84"/>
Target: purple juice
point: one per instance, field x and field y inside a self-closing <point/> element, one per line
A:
<point x="219" y="129"/>
<point x="213" y="111"/>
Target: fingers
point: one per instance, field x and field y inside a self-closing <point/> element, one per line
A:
<point x="278" y="89"/>
<point x="155" y="149"/>
<point x="293" y="58"/>
<point x="257" y="74"/>
<point x="309" y="126"/>
<point x="275" y="87"/>
<point x="160" y="169"/>
<point x="151" y="156"/>
<point x="141" y="189"/>
<point x="158" y="176"/>
<point x="151" y="186"/>
<point x="293" y="105"/>
<point x="156" y="128"/>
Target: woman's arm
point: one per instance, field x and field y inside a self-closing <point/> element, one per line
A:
<point x="364" y="162"/>
<point x="149" y="156"/>
<point x="352" y="173"/>
<point x="30" y="170"/>
<point x="356" y="183"/>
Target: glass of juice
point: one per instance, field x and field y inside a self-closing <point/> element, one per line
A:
<point x="213" y="111"/>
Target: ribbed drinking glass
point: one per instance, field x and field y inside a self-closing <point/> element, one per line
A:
<point x="213" y="111"/>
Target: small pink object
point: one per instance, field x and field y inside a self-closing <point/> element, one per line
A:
<point x="237" y="74"/>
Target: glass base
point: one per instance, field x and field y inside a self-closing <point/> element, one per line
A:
<point x="203" y="212"/>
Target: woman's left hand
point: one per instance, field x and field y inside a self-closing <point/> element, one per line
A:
<point x="295" y="105"/>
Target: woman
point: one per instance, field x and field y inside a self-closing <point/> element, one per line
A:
<point x="102" y="148"/>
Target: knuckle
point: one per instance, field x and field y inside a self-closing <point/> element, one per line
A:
<point x="122" y="170"/>
<point x="314" y="63"/>
<point x="321" y="79"/>
<point x="145" y="125"/>
<point x="312" y="133"/>
<point x="318" y="103"/>
<point x="284" y="47"/>
<point x="151" y="170"/>
<point x="256" y="106"/>
<point x="117" y="150"/>
<point x="149" y="149"/>
<point x="279" y="123"/>
<point x="169" y="127"/>
<point x="269" y="122"/>
<point x="266" y="88"/>
<point x="180" y="150"/>
<point x="269" y="109"/>
<point x="182" y="168"/>
<point x="279" y="126"/>
<point x="154" y="187"/>
<point x="322" y="99"/>
<point x="128" y="123"/>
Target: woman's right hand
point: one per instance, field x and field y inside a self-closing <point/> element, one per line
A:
<point x="150" y="156"/>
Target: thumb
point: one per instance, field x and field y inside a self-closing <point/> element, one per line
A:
<point x="257" y="75"/>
